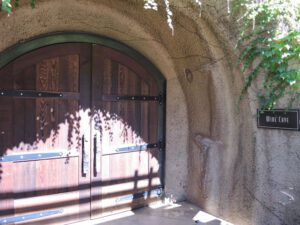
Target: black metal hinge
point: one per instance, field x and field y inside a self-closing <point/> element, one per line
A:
<point x="30" y="94"/>
<point x="139" y="147"/>
<point x="134" y="148"/>
<point x="115" y="98"/>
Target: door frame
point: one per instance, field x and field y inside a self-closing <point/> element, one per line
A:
<point x="19" y="49"/>
<point x="29" y="45"/>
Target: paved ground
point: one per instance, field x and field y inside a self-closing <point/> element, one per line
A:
<point x="160" y="214"/>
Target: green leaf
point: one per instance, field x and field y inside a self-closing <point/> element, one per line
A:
<point x="17" y="3"/>
<point x="278" y="57"/>
<point x="6" y="6"/>
<point x="33" y="3"/>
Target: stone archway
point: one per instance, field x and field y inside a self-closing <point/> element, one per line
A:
<point x="100" y="22"/>
<point x="205" y="106"/>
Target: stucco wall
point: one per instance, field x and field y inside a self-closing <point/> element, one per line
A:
<point x="269" y="163"/>
<point x="215" y="155"/>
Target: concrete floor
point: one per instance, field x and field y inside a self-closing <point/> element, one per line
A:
<point x="160" y="214"/>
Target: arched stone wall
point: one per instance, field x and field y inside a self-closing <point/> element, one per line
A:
<point x="210" y="157"/>
<point x="107" y="20"/>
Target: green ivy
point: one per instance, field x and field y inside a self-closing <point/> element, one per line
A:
<point x="9" y="5"/>
<point x="6" y="6"/>
<point x="270" y="43"/>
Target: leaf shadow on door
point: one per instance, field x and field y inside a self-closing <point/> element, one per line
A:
<point x="115" y="195"/>
<point x="63" y="131"/>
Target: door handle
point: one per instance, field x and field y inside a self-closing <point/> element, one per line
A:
<point x="85" y="155"/>
<point x="97" y="156"/>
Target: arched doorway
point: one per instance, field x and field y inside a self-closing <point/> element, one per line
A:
<point x="82" y="130"/>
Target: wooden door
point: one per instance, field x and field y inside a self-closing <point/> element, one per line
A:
<point x="127" y="152"/>
<point x="44" y="103"/>
<point x="80" y="135"/>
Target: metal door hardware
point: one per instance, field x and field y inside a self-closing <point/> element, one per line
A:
<point x="30" y="94"/>
<point x="85" y="155"/>
<point x="97" y="156"/>
<point x="33" y="216"/>
<point x="158" y="98"/>
<point x="30" y="156"/>
<point x="134" y="148"/>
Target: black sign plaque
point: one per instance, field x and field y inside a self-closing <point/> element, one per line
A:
<point x="278" y="119"/>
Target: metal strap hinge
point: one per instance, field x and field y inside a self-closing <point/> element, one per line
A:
<point x="115" y="98"/>
<point x="30" y="94"/>
<point x="30" y="156"/>
<point x="134" y="148"/>
<point x="159" y="145"/>
<point x="33" y="216"/>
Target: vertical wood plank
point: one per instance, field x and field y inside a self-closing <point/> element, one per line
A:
<point x="6" y="142"/>
<point x="85" y="129"/>
<point x="51" y="68"/>
<point x="155" y="158"/>
<point x="6" y="187"/>
<point x="99" y="77"/>
<point x="28" y="79"/>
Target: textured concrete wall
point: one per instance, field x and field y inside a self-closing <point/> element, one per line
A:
<point x="263" y="185"/>
<point x="216" y="157"/>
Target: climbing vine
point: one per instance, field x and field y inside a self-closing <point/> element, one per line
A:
<point x="9" y="5"/>
<point x="269" y="43"/>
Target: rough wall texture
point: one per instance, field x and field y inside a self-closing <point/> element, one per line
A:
<point x="268" y="160"/>
<point x="216" y="157"/>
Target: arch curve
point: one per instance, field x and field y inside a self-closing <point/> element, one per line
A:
<point x="191" y="108"/>
<point x="17" y="50"/>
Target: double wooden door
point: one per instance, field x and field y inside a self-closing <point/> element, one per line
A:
<point x="80" y="135"/>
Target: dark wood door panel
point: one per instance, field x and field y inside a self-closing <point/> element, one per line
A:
<point x="59" y="73"/>
<point x="122" y="124"/>
<point x="129" y="63"/>
<point x="120" y="80"/>
<point x="40" y="186"/>
<point x="41" y="161"/>
<point x="128" y="169"/>
<point x="28" y="125"/>
<point x="112" y="76"/>
<point x="71" y="154"/>
<point x="50" y="52"/>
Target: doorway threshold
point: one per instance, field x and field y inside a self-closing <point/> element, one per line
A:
<point x="182" y="213"/>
